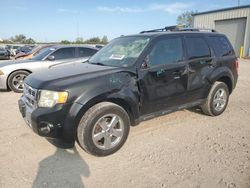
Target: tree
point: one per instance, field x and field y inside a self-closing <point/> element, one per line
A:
<point x="94" y="40"/>
<point x="104" y="40"/>
<point x="18" y="38"/>
<point x="79" y="40"/>
<point x="30" y="41"/>
<point x="186" y="18"/>
<point x="65" y="42"/>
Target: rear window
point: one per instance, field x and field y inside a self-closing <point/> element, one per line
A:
<point x="197" y="47"/>
<point x="221" y="46"/>
<point x="86" y="52"/>
<point x="64" y="53"/>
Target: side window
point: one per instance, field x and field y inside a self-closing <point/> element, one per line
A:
<point x="86" y="52"/>
<point x="197" y="47"/>
<point x="221" y="46"/>
<point x="64" y="53"/>
<point x="166" y="51"/>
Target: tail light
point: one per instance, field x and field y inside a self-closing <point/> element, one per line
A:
<point x="237" y="65"/>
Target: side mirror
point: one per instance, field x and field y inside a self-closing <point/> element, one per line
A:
<point x="51" y="58"/>
<point x="145" y="63"/>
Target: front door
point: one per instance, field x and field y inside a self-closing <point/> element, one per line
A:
<point x="163" y="81"/>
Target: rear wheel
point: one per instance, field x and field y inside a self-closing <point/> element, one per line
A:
<point x="103" y="129"/>
<point x="217" y="99"/>
<point x="16" y="81"/>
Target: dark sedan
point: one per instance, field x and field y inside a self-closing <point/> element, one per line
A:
<point x="4" y="54"/>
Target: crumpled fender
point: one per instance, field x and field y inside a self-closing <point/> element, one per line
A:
<point x="120" y="88"/>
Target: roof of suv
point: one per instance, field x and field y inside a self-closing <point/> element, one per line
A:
<point x="154" y="34"/>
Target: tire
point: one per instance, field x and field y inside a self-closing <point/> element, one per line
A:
<point x="97" y="134"/>
<point x="16" y="81"/>
<point x="217" y="99"/>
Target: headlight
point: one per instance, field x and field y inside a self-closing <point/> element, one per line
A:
<point x="1" y="72"/>
<point x="51" y="98"/>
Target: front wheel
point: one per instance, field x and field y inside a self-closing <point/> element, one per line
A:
<point x="217" y="99"/>
<point x="16" y="81"/>
<point x="103" y="129"/>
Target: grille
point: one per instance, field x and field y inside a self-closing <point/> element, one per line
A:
<point x="30" y="95"/>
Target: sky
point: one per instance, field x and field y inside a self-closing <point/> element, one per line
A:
<point x="56" y="20"/>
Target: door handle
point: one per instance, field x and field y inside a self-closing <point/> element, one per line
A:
<point x="177" y="74"/>
<point x="212" y="63"/>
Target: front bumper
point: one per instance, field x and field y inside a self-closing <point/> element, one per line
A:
<point x="52" y="123"/>
<point x="3" y="82"/>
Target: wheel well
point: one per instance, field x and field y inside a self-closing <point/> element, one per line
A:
<point x="126" y="107"/>
<point x="228" y="82"/>
<point x="16" y="71"/>
<point x="119" y="102"/>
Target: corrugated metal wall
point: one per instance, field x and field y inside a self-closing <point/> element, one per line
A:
<point x="208" y="21"/>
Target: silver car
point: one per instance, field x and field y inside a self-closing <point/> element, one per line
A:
<point x="13" y="73"/>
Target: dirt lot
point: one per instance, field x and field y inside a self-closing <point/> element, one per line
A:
<point x="183" y="149"/>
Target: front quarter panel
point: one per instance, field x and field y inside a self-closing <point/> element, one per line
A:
<point x="9" y="69"/>
<point x="119" y="87"/>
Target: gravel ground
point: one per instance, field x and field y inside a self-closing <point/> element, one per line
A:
<point x="182" y="149"/>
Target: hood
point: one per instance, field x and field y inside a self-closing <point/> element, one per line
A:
<point x="13" y="62"/>
<point x="68" y="74"/>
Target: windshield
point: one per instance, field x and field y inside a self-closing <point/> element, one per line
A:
<point x="121" y="52"/>
<point x="43" y="53"/>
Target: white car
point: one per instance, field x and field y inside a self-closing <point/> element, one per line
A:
<point x="14" y="72"/>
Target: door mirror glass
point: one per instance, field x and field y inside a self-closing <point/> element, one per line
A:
<point x="51" y="58"/>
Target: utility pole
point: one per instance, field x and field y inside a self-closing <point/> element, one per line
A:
<point x="77" y="29"/>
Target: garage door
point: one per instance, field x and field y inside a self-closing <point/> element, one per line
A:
<point x="234" y="29"/>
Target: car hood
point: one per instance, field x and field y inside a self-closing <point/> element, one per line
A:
<point x="13" y="62"/>
<point x="67" y="74"/>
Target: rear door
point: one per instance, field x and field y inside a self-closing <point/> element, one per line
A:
<point x="84" y="53"/>
<point x="61" y="55"/>
<point x="64" y="53"/>
<point x="201" y="64"/>
<point x="163" y="83"/>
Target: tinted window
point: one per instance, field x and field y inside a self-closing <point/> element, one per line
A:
<point x="166" y="51"/>
<point x="197" y="47"/>
<point x="86" y="52"/>
<point x="64" y="53"/>
<point x="221" y="46"/>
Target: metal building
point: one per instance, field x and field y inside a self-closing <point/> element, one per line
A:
<point x="233" y="22"/>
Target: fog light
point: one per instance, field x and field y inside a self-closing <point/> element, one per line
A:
<point x="45" y="127"/>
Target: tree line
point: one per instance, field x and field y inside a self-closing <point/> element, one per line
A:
<point x="22" y="39"/>
<point x="93" y="40"/>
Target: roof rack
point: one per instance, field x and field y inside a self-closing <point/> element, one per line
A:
<point x="168" y="28"/>
<point x="178" y="28"/>
<point x="197" y="29"/>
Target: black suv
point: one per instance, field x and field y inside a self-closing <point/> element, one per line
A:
<point x="133" y="78"/>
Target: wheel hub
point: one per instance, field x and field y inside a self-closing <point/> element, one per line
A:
<point x="220" y="99"/>
<point x="108" y="131"/>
